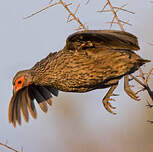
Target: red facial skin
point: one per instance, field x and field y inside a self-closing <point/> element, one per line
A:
<point x="18" y="84"/>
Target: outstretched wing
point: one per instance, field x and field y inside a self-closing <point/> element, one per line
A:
<point x="23" y="101"/>
<point x="102" y="38"/>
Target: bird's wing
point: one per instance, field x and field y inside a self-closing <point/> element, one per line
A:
<point x="23" y="101"/>
<point x="102" y="38"/>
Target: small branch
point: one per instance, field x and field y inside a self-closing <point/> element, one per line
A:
<point x="68" y="19"/>
<point x="137" y="80"/>
<point x="124" y="10"/>
<point x="8" y="147"/>
<point x="105" y="11"/>
<point x="120" y="21"/>
<point x="141" y="75"/>
<point x="72" y="14"/>
<point x="103" y="7"/>
<point x="148" y="74"/>
<point x="115" y="15"/>
<point x="51" y="5"/>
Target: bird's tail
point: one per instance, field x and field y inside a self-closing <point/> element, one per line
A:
<point x="142" y="61"/>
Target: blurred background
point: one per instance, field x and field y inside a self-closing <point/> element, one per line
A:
<point x="75" y="122"/>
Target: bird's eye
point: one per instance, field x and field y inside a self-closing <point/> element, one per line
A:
<point x="19" y="82"/>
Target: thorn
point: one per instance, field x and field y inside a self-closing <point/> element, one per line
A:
<point x="140" y="90"/>
<point x="77" y="8"/>
<point x="121" y="8"/>
<point x="148" y="74"/>
<point x="150" y="121"/>
<point x="68" y="4"/>
<point x="115" y="94"/>
<point x="149" y="105"/>
<point x="125" y="22"/>
<point x="41" y="10"/>
<point x="111" y="99"/>
<point x="104" y="7"/>
<point x="104" y="11"/>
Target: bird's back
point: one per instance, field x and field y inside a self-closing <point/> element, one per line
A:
<point x="85" y="70"/>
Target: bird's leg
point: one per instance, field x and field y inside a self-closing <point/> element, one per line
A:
<point x="128" y="90"/>
<point x="107" y="98"/>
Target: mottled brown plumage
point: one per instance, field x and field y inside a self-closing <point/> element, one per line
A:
<point x="90" y="60"/>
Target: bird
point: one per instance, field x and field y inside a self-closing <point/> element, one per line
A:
<point x="91" y="59"/>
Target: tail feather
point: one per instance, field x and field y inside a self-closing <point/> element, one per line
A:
<point x="143" y="61"/>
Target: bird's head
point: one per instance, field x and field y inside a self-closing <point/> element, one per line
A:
<point x="21" y="79"/>
<point x="24" y="93"/>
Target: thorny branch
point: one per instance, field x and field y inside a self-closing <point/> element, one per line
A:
<point x="115" y="10"/>
<point x="144" y="78"/>
<point x="8" y="147"/>
<point x="71" y="14"/>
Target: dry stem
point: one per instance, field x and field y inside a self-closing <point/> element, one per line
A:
<point x="51" y="5"/>
<point x="8" y="147"/>
<point x="71" y="14"/>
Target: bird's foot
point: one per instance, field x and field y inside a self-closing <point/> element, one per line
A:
<point x="107" y="98"/>
<point x="108" y="105"/>
<point x="128" y="89"/>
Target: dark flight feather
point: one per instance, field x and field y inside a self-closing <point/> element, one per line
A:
<point x="24" y="109"/>
<point x="11" y="109"/>
<point x="52" y="90"/>
<point x="18" y="110"/>
<point x="39" y="98"/>
<point x="30" y="103"/>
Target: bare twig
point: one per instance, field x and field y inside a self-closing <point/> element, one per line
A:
<point x="124" y="9"/>
<point x="116" y="12"/>
<point x="71" y="14"/>
<point x="103" y="7"/>
<point x="141" y="75"/>
<point x="148" y="74"/>
<point x="115" y="15"/>
<point x="120" y="21"/>
<point x="51" y="5"/>
<point x="8" y="147"/>
<point x="68" y="19"/>
<point x="137" y="80"/>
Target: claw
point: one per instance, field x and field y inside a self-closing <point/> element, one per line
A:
<point x="108" y="106"/>
<point x="111" y="106"/>
<point x="111" y="99"/>
<point x="115" y="94"/>
<point x="128" y="90"/>
<point x="149" y="105"/>
<point x="107" y="98"/>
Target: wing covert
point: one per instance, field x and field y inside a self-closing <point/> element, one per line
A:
<point x="112" y="39"/>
